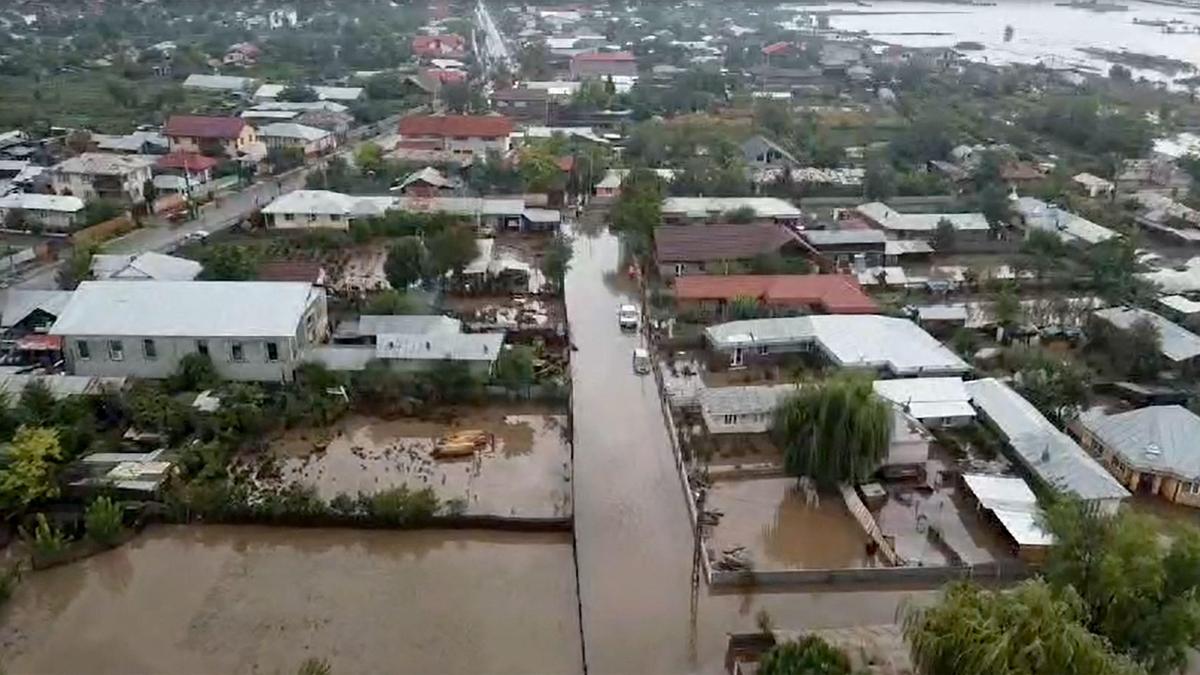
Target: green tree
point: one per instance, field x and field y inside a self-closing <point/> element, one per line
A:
<point x="451" y="249"/>
<point x="1046" y="252"/>
<point x="943" y="235"/>
<point x="76" y="269"/>
<point x="540" y="171"/>
<point x="103" y="520"/>
<point x="1024" y="631"/>
<point x="994" y="205"/>
<point x="298" y="93"/>
<point x="1141" y="591"/>
<point x="1058" y="388"/>
<point x="835" y="431"/>
<point x="228" y="262"/>
<point x="773" y="117"/>
<point x="1113" y="265"/>
<point x="744" y="307"/>
<point x="810" y="655"/>
<point x="638" y="209"/>
<point x="556" y="260"/>
<point x="407" y="263"/>
<point x="391" y="302"/>
<point x="879" y="183"/>
<point x="368" y="157"/>
<point x="196" y="372"/>
<point x="457" y="97"/>
<point x="514" y="368"/>
<point x="534" y="59"/>
<point x="1006" y="308"/>
<point x="30" y="475"/>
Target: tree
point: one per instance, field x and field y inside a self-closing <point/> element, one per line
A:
<point x="1006" y="309"/>
<point x="1120" y="73"/>
<point x="514" y="368"/>
<point x="994" y="205"/>
<point x="774" y="117"/>
<point x="1140" y="590"/>
<point x="534" y="59"/>
<point x="298" y="93"/>
<point x="740" y="216"/>
<point x="879" y="183"/>
<point x="1113" y="264"/>
<point x="638" y="209"/>
<point x="1046" y="251"/>
<point x="810" y="655"/>
<point x="385" y="86"/>
<point x="556" y="260"/>
<point x="540" y="171"/>
<point x="451" y="249"/>
<point x="30" y="474"/>
<point x="1058" y="388"/>
<point x="196" y="372"/>
<point x="407" y="263"/>
<point x="368" y="157"/>
<point x="744" y="307"/>
<point x="315" y="666"/>
<point x="943" y="236"/>
<point x="391" y="302"/>
<point x="1135" y="351"/>
<point x="283" y="159"/>
<point x="103" y="520"/>
<point x="229" y="262"/>
<point x="1024" y="631"/>
<point x="456" y="96"/>
<point x="836" y="431"/>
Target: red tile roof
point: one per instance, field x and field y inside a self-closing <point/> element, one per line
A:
<point x="777" y="48"/>
<point x="432" y="45"/>
<point x="186" y="160"/>
<point x="444" y="75"/>
<point x="699" y="243"/>
<point x="479" y="126"/>
<point x="196" y="126"/>
<point x="605" y="56"/>
<point x="832" y="293"/>
<point x="292" y="270"/>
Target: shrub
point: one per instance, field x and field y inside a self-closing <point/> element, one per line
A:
<point x="401" y="506"/>
<point x="315" y="666"/>
<point x="810" y="655"/>
<point x="8" y="582"/>
<point x="104" y="521"/>
<point x="46" y="540"/>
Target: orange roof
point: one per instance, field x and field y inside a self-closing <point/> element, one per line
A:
<point x="832" y="293"/>
<point x="478" y="126"/>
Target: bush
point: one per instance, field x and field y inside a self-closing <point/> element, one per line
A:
<point x="196" y="372"/>
<point x="810" y="655"/>
<point x="104" y="521"/>
<point x="46" y="540"/>
<point x="8" y="582"/>
<point x="401" y="506"/>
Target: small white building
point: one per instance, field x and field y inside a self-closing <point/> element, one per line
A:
<point x="934" y="401"/>
<point x="306" y="209"/>
<point x="148" y="266"/>
<point x="310" y="140"/>
<point x="1095" y="186"/>
<point x="53" y="212"/>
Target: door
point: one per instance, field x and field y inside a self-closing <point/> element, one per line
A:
<point x="736" y="360"/>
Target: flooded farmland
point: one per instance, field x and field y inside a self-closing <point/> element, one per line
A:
<point x="523" y="469"/>
<point x="216" y="599"/>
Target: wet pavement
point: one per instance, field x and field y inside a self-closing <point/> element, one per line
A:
<point x="240" y="599"/>
<point x="633" y="537"/>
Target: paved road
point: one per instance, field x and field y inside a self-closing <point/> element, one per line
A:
<point x="634" y="542"/>
<point x="495" y="50"/>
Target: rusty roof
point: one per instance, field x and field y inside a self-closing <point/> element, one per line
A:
<point x="832" y="293"/>
<point x="720" y="241"/>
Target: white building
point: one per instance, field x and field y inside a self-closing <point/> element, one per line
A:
<point x="53" y="212"/>
<point x="148" y="266"/>
<point x="310" y="140"/>
<point x="322" y="209"/>
<point x="1036" y="214"/>
<point x="255" y="331"/>
<point x="676" y="210"/>
<point x="96" y="175"/>
<point x="934" y="401"/>
<point x="922" y="225"/>
<point x="270" y="92"/>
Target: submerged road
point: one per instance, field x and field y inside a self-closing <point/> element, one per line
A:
<point x="633" y="537"/>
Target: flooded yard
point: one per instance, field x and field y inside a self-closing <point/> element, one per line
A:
<point x="779" y="530"/>
<point x="908" y="514"/>
<point x="522" y="469"/>
<point x="216" y="599"/>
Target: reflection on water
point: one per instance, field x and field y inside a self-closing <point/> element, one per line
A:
<point x="216" y="599"/>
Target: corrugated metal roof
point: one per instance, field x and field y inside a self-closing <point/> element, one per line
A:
<point x="415" y="324"/>
<point x="721" y="241"/>
<point x="20" y="303"/>
<point x="766" y="207"/>
<point x="1158" y="439"/>
<point x="1178" y="343"/>
<point x="888" y="218"/>
<point x="452" y="347"/>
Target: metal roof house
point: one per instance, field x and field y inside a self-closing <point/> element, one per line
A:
<point x="1178" y="344"/>
<point x="894" y="347"/>
<point x="144" y="266"/>
<point x="741" y="410"/>
<point x="1153" y="450"/>
<point x="935" y="401"/>
<point x="252" y="330"/>
<point x="679" y="210"/>
<point x="1042" y="450"/>
<point x="921" y="225"/>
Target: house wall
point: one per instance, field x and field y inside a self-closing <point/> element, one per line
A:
<point x="721" y="359"/>
<point x="214" y="146"/>
<point x="468" y="145"/>
<point x="1160" y="485"/>
<point x="88" y="187"/>
<point x="309" y="148"/>
<point x="51" y="220"/>
<point x="301" y="221"/>
<point x="581" y="69"/>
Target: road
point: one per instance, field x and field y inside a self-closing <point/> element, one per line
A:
<point x="633" y="535"/>
<point x="225" y="211"/>
<point x="495" y="50"/>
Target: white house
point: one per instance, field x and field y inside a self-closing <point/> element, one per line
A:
<point x="310" y="140"/>
<point x="97" y="175"/>
<point x="270" y="92"/>
<point x="322" y="209"/>
<point x="52" y="212"/>
<point x="252" y="330"/>
<point x="148" y="266"/>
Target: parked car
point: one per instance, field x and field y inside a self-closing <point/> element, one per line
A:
<point x="641" y="361"/>
<point x="627" y="317"/>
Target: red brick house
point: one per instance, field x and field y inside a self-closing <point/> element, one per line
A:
<point x="211" y="136"/>
<point x="459" y="134"/>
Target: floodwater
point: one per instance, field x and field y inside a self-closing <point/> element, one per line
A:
<point x="780" y="531"/>
<point x="1042" y="31"/>
<point x="217" y="599"/>
<point x="633" y="535"/>
<point x="525" y="470"/>
<point x="907" y="515"/>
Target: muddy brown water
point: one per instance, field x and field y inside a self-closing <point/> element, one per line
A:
<point x="218" y="599"/>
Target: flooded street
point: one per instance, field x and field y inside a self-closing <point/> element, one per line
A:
<point x="524" y="470"/>
<point x="632" y="530"/>
<point x="216" y="599"/>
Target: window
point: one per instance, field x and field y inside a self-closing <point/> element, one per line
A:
<point x="679" y="267"/>
<point x="1193" y="488"/>
<point x="149" y="349"/>
<point x="335" y="217"/>
<point x="83" y="350"/>
<point x="116" y="350"/>
<point x="730" y="419"/>
<point x="519" y="104"/>
<point x="272" y="351"/>
<point x="202" y="347"/>
<point x="288" y="216"/>
<point x="763" y="350"/>
<point x="237" y="352"/>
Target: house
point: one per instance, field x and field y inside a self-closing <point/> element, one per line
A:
<point x="1035" y="214"/>
<point x="1010" y="504"/>
<point x="270" y="92"/>
<point x="1021" y="176"/>
<point x="850" y="249"/>
<point x="722" y="248"/>
<point x="523" y="105"/>
<point x="1046" y="454"/>
<point x="439" y="46"/>
<point x="225" y="83"/>
<point x="1157" y="174"/>
<point x="934" y="401"/>
<point x="1094" y="186"/>
<point x="148" y="266"/>
<point x="971" y="226"/>
<point x="741" y="410"/>
<point x="761" y="152"/>
<point x="335" y="122"/>
<point x="51" y="212"/>
<point x="1179" y="308"/>
<point x="491" y="214"/>
<point x="366" y="329"/>
<point x="459" y="134"/>
<point x="778" y="294"/>
<point x="96" y="175"/>
<point x="1178" y="345"/>
<point x="1153" y="450"/>
<point x="228" y="137"/>
<point x="242" y="54"/>
<point x="432" y="341"/>
<point x="134" y="143"/>
<point x="426" y="182"/>
<point x="26" y="312"/>
<point x="308" y="271"/>
<point x="322" y="209"/>
<point x="681" y="210"/>
<point x="610" y="186"/>
<point x="312" y="141"/>
<point x="602" y="65"/>
<point x="890" y="346"/>
<point x="252" y="330"/>
<point x="184" y="172"/>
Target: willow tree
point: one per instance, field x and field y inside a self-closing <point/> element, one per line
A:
<point x="835" y="431"/>
<point x="1029" y="629"/>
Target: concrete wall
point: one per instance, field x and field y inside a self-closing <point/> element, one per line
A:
<point x="930" y="577"/>
<point x="168" y="352"/>
<point x="306" y="221"/>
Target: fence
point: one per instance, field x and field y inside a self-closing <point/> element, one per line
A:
<point x="1001" y="571"/>
<point x="101" y="232"/>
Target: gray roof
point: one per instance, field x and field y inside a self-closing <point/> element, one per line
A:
<point x="843" y="237"/>
<point x="1039" y="215"/>
<point x="890" y="219"/>
<point x="221" y="82"/>
<point x="414" y="324"/>
<point x="185" y="309"/>
<point x="1044" y="450"/>
<point x="59" y="386"/>
<point x="452" y="347"/>
<point x="20" y="303"/>
<point x="1160" y="439"/>
<point x="1177" y="342"/>
<point x="104" y="164"/>
<point x="293" y="130"/>
<point x="148" y="265"/>
<point x="898" y="345"/>
<point x="743" y="400"/>
<point x="701" y="207"/>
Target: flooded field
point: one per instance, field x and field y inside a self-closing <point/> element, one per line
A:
<point x="524" y="469"/>
<point x="780" y="531"/>
<point x="908" y="514"/>
<point x="215" y="599"/>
